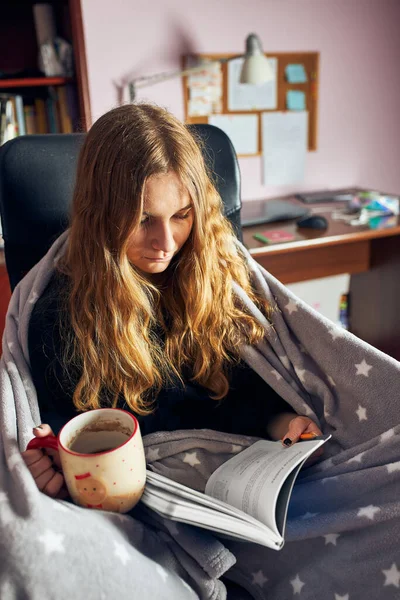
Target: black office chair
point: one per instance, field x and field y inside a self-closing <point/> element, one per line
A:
<point x="37" y="175"/>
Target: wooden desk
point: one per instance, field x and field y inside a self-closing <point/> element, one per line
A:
<point x="372" y="257"/>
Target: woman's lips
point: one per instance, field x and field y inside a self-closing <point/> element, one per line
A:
<point x="158" y="259"/>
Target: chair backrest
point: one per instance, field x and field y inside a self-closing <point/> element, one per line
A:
<point x="37" y="177"/>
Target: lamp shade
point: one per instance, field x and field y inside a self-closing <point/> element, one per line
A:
<point x="256" y="68"/>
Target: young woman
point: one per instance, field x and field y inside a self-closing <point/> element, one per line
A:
<point x="140" y="313"/>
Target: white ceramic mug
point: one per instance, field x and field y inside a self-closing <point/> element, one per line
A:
<point x="102" y="458"/>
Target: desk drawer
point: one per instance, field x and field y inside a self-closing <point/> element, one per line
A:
<point x="292" y="264"/>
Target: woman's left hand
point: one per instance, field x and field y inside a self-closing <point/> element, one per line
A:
<point x="298" y="426"/>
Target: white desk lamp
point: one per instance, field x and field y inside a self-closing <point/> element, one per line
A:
<point x="256" y="68"/>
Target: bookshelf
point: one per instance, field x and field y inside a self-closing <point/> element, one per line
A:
<point x="63" y="102"/>
<point x="20" y="75"/>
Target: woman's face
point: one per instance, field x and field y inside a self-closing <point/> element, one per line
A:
<point x="166" y="224"/>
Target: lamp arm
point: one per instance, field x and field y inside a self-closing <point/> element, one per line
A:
<point x="140" y="82"/>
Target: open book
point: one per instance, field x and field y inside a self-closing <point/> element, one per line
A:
<point x="246" y="498"/>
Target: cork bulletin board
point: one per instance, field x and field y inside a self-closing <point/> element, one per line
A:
<point x="310" y="62"/>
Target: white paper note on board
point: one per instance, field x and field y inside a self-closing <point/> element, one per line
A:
<point x="205" y="89"/>
<point x="284" y="143"/>
<point x="241" y="129"/>
<point x="243" y="96"/>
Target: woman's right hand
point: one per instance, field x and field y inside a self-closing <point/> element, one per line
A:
<point x="41" y="465"/>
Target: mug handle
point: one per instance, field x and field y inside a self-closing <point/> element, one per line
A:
<point x="49" y="441"/>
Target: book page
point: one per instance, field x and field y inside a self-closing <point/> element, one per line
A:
<point x="253" y="480"/>
<point x="178" y="502"/>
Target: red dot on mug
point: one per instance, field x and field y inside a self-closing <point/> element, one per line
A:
<point x="97" y="465"/>
<point x="115" y="483"/>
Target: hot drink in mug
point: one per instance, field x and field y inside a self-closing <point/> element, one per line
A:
<point x="102" y="458"/>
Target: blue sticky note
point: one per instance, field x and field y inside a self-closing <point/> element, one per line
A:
<point x="295" y="100"/>
<point x="295" y="74"/>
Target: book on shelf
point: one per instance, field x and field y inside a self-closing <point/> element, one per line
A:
<point x="55" y="112"/>
<point x="30" y="118"/>
<point x="41" y="118"/>
<point x="64" y="112"/>
<point x="246" y="498"/>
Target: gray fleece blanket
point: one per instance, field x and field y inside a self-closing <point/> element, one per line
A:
<point x="344" y="521"/>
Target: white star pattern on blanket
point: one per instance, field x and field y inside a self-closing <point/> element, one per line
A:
<point x="33" y="297"/>
<point x="297" y="584"/>
<point x="329" y="479"/>
<point x="336" y="332"/>
<point x="285" y="361"/>
<point x="162" y="573"/>
<point x="393" y="467"/>
<point x="12" y="368"/>
<point x="362" y="413"/>
<point x="308" y="515"/>
<point x="387" y="435"/>
<point x="26" y="383"/>
<point x="6" y="514"/>
<point x="236" y="448"/>
<point x="153" y="454"/>
<point x="191" y="459"/>
<point x="368" y="511"/>
<point x="14" y="460"/>
<point x="331" y="538"/>
<point x="301" y="374"/>
<point x="345" y="597"/>
<point x="307" y="410"/>
<point x="329" y="378"/>
<point x="121" y="552"/>
<point x="259" y="578"/>
<point x="276" y="374"/>
<point x="53" y="542"/>
<point x="291" y="307"/>
<point x="357" y="458"/>
<point x="392" y="576"/>
<point x="363" y="368"/>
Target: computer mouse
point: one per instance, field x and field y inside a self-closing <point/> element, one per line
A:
<point x="312" y="222"/>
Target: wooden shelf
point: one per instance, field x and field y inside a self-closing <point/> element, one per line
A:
<point x="34" y="82"/>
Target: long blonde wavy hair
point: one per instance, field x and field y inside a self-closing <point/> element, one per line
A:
<point x="113" y="308"/>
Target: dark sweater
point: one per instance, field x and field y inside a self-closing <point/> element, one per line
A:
<point x="247" y="408"/>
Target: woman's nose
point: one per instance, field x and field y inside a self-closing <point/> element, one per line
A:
<point x="164" y="240"/>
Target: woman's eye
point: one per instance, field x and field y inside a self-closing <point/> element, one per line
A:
<point x="146" y="220"/>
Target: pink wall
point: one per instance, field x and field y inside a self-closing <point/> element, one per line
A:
<point x="359" y="96"/>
